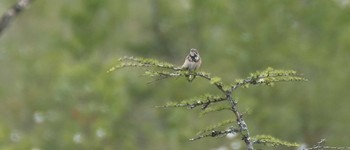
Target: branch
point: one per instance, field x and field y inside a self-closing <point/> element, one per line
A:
<point x="218" y="125"/>
<point x="272" y="141"/>
<point x="10" y="14"/>
<point x="142" y="62"/>
<point x="321" y="146"/>
<point x="268" y="77"/>
<point x="215" y="109"/>
<point x="194" y="102"/>
<point x="215" y="133"/>
<point x="240" y="121"/>
<point x="160" y="75"/>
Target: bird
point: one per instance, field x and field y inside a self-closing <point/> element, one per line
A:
<point x="192" y="61"/>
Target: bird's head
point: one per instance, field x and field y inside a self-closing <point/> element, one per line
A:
<point x="194" y="52"/>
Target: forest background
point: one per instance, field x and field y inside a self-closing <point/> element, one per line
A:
<point x="55" y="92"/>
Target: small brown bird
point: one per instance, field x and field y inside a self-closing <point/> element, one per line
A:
<point x="193" y="61"/>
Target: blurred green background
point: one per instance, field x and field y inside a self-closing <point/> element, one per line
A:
<point x="55" y="92"/>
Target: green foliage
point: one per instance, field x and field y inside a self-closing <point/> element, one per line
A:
<point x="215" y="80"/>
<point x="141" y="62"/>
<point x="272" y="141"/>
<point x="214" y="109"/>
<point x="216" y="126"/>
<point x="194" y="102"/>
<point x="268" y="77"/>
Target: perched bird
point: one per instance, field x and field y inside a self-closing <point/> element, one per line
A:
<point x="193" y="61"/>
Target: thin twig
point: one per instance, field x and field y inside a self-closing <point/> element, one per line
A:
<point x="320" y="146"/>
<point x="199" y="102"/>
<point x="216" y="134"/>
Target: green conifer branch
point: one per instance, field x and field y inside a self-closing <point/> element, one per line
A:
<point x="267" y="77"/>
<point x="215" y="109"/>
<point x="215" y="133"/>
<point x="218" y="125"/>
<point x="148" y="61"/>
<point x="159" y="75"/>
<point x="272" y="141"/>
<point x="194" y="102"/>
<point x="321" y="146"/>
<point x="142" y="62"/>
